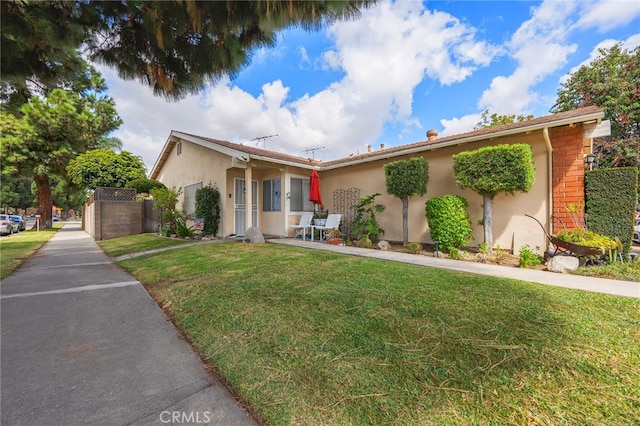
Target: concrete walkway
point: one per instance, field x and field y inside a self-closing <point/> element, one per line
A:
<point x="84" y="344"/>
<point x="600" y="285"/>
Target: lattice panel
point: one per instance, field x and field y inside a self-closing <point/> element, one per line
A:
<point x="114" y="194"/>
<point x="353" y="198"/>
<point x="344" y="203"/>
<point x="339" y="203"/>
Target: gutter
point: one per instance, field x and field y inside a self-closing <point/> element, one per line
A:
<point x="547" y="140"/>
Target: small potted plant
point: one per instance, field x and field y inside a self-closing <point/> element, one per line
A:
<point x="320" y="216"/>
<point x="333" y="236"/>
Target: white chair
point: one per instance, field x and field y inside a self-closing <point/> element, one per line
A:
<point x="301" y="228"/>
<point x="333" y="221"/>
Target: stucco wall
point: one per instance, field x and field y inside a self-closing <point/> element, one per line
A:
<point x="198" y="164"/>
<point x="511" y="228"/>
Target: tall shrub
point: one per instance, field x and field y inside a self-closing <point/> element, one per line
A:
<point x="166" y="199"/>
<point x="365" y="225"/>
<point x="208" y="208"/>
<point x="404" y="179"/>
<point x="492" y="170"/>
<point x="448" y="220"/>
<point x="610" y="203"/>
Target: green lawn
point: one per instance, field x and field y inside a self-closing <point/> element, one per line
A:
<point x="16" y="248"/>
<point x="310" y="337"/>
<point x="138" y="243"/>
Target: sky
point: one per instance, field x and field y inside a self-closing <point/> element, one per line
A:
<point x="401" y="69"/>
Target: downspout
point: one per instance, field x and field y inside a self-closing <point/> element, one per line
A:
<point x="547" y="140"/>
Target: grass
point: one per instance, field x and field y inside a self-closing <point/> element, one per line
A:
<point x="18" y="247"/>
<point x="628" y="271"/>
<point x="310" y="337"/>
<point x="137" y="243"/>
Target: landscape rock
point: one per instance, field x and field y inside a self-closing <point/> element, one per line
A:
<point x="563" y="264"/>
<point x="383" y="245"/>
<point x="254" y="236"/>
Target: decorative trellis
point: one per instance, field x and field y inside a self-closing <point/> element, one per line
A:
<point x="344" y="203"/>
<point x="112" y="194"/>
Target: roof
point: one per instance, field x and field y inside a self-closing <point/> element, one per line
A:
<point x="245" y="153"/>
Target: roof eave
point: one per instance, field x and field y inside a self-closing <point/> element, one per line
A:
<point x="592" y="117"/>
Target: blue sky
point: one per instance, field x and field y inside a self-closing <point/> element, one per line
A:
<point x="401" y="69"/>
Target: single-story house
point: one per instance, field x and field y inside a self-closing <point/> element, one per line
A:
<point x="280" y="182"/>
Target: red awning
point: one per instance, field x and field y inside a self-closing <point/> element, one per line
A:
<point x="314" y="188"/>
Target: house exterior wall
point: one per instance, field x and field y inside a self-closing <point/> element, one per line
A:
<point x="568" y="172"/>
<point x="559" y="182"/>
<point x="511" y="229"/>
<point x="199" y="164"/>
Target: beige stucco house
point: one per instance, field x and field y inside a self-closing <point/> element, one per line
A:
<point x="280" y="182"/>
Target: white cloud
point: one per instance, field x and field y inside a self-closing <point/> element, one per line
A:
<point x="539" y="46"/>
<point x="607" y="14"/>
<point x="384" y="55"/>
<point x="458" y="125"/>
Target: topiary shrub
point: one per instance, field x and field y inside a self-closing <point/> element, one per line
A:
<point x="610" y="203"/>
<point x="449" y="222"/>
<point x="492" y="170"/>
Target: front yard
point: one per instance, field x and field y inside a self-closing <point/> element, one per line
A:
<point x="310" y="337"/>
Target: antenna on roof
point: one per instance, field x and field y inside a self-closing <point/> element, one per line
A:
<point x="263" y="138"/>
<point x="313" y="151"/>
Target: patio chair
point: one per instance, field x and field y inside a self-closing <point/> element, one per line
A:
<point x="301" y="228"/>
<point x="333" y="221"/>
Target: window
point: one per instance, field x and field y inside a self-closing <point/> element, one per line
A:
<point x="271" y="195"/>
<point x="300" y="195"/>
<point x="190" y="197"/>
<point x="179" y="148"/>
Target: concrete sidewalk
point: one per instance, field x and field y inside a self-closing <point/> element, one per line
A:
<point x="83" y="343"/>
<point x="599" y="285"/>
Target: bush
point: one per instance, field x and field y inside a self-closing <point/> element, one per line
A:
<point x="611" y="196"/>
<point x="365" y="225"/>
<point x="182" y="230"/>
<point x="144" y="185"/>
<point x="208" y="208"/>
<point x="413" y="248"/>
<point x="448" y="220"/>
<point x="529" y="259"/>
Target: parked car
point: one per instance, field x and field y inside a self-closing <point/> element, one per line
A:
<point x="55" y="218"/>
<point x="19" y="222"/>
<point x="6" y="225"/>
<point x="636" y="231"/>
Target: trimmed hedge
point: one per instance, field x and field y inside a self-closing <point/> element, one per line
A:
<point x="495" y="169"/>
<point x="449" y="222"/>
<point x="611" y="196"/>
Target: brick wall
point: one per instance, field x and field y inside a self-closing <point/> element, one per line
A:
<point x="568" y="172"/>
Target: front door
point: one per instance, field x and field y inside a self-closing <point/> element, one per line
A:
<point x="240" y="206"/>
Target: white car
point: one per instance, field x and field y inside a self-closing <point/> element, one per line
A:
<point x="636" y="231"/>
